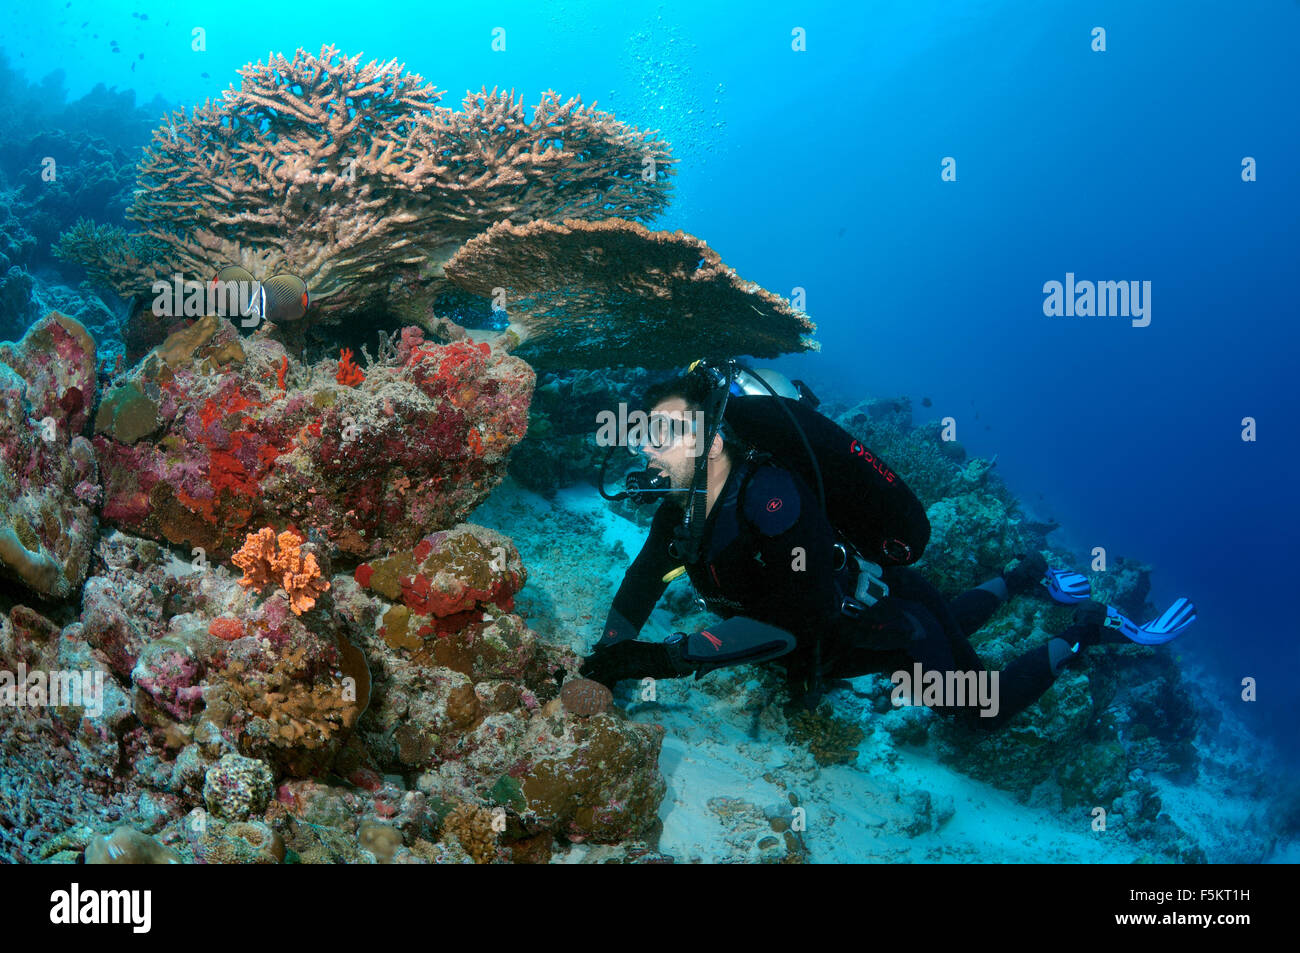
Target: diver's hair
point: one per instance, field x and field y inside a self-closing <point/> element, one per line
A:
<point x="695" y="391"/>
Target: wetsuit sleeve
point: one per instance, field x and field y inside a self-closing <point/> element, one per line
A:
<point x="643" y="583"/>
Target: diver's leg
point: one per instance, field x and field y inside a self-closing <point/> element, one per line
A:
<point x="942" y="646"/>
<point x="974" y="607"/>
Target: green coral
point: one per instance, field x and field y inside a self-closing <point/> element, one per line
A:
<point x="110" y="254"/>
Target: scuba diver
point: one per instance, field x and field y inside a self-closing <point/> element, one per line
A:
<point x="800" y="538"/>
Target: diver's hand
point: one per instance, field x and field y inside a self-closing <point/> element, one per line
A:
<point x="631" y="658"/>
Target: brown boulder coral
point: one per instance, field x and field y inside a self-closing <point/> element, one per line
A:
<point x="582" y="696"/>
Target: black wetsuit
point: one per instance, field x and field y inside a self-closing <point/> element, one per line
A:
<point x="753" y="567"/>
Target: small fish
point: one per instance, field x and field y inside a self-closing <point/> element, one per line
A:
<point x="86" y="24"/>
<point x="141" y="56"/>
<point x="205" y="75"/>
<point x="926" y="402"/>
<point x="132" y="67"/>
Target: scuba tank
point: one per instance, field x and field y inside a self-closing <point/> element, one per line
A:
<point x="864" y="499"/>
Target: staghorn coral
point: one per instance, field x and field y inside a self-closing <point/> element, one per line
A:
<point x="111" y="254"/>
<point x="267" y="559"/>
<point x="354" y="178"/>
<point x="829" y="739"/>
<point x="597" y="294"/>
<point x="472" y="828"/>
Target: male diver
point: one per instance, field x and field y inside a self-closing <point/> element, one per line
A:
<point x="760" y="550"/>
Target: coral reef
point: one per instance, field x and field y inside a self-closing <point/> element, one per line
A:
<point x="236" y="787"/>
<point x="445" y="581"/>
<point x="597" y="294"/>
<point x="199" y="444"/>
<point x="126" y="845"/>
<point x="49" y="483"/>
<point x="472" y="828"/>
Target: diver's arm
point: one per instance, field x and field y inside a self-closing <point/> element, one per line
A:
<point x="643" y="583"/>
<point x="737" y="641"/>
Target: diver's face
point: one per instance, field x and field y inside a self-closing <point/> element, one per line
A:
<point x="676" y="456"/>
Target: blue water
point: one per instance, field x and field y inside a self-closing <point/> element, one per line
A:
<point x="821" y="170"/>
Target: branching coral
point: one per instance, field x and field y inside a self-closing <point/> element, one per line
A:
<point x="597" y="294"/>
<point x="278" y="709"/>
<point x="472" y="826"/>
<point x="267" y="560"/>
<point x="349" y="374"/>
<point x="830" y="740"/>
<point x="354" y="178"/>
<point x="110" y="254"/>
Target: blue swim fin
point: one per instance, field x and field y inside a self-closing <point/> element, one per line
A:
<point x="1171" y="624"/>
<point x="1166" y="628"/>
<point x="1067" y="586"/>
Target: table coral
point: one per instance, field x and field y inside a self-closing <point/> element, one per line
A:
<point x="354" y="178"/>
<point x="598" y="294"/>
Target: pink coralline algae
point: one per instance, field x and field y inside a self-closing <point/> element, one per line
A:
<point x="199" y="445"/>
<point x="49" y="482"/>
